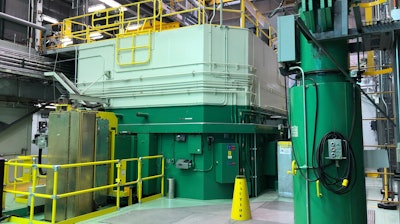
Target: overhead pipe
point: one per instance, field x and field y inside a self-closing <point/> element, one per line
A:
<point x="21" y="21"/>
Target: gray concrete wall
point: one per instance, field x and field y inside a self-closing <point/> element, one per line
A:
<point x="17" y="137"/>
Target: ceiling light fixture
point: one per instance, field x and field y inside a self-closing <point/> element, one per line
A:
<point x="111" y="3"/>
<point x="49" y="19"/>
<point x="66" y="41"/>
<point x="97" y="7"/>
<point x="133" y="27"/>
<point x="95" y="35"/>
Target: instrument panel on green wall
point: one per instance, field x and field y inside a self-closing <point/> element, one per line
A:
<point x="227" y="162"/>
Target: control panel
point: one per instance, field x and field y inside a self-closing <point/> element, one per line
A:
<point x="227" y="162"/>
<point x="183" y="164"/>
<point x="335" y="149"/>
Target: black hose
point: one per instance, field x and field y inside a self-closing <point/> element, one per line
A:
<point x="41" y="171"/>
<point x="4" y="217"/>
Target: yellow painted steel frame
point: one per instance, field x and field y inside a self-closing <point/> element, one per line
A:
<point x="55" y="194"/>
<point x="371" y="4"/>
<point x="112" y="20"/>
<point x="133" y="48"/>
<point x="120" y="181"/>
<point x="140" y="179"/>
<point x="25" y="177"/>
<point x="370" y="54"/>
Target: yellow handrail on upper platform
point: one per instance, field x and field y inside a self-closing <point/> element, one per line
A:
<point x="111" y="22"/>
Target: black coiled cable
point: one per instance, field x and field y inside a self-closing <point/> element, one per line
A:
<point x="345" y="168"/>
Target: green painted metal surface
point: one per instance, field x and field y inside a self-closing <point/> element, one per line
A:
<point x="335" y="113"/>
<point x="315" y="60"/>
<point x="195" y="133"/>
<point x="194" y="119"/>
<point x="126" y="147"/>
<point x="199" y="182"/>
<point x="338" y="107"/>
<point x="147" y="144"/>
<point x="332" y="105"/>
<point x="224" y="87"/>
<point x="225" y="66"/>
<point x="227" y="162"/>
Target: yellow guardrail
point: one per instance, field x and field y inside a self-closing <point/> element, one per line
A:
<point x="20" y="177"/>
<point x="119" y="181"/>
<point x="112" y="22"/>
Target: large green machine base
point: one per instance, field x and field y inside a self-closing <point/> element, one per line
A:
<point x="205" y="147"/>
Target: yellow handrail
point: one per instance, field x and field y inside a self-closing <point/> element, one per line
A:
<point x="112" y="21"/>
<point x="119" y="182"/>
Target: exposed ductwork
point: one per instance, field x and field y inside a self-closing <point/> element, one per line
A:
<point x="21" y="21"/>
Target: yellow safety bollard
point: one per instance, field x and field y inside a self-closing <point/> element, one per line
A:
<point x="240" y="205"/>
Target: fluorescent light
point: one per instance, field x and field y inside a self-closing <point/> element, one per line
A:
<point x="111" y="3"/>
<point x="134" y="27"/>
<point x="49" y="19"/>
<point x="95" y="35"/>
<point x="50" y="107"/>
<point x="97" y="7"/>
<point x="66" y="41"/>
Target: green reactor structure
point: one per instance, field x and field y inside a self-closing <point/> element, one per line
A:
<point x="324" y="115"/>
<point x="209" y="98"/>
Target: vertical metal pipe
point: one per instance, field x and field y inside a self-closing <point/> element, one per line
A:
<point x="34" y="182"/>
<point x="28" y="28"/>
<point x="220" y="14"/>
<point x="385" y="185"/>
<point x="305" y="140"/>
<point x="255" y="165"/>
<point x="163" y="176"/>
<point x="397" y="96"/>
<point x="118" y="184"/>
<point x="2" y="161"/>
<point x="54" y="198"/>
<point x="76" y="65"/>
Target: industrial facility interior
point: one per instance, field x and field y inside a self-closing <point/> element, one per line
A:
<point x="200" y="111"/>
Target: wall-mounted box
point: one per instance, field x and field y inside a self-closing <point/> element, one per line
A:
<point x="226" y="162"/>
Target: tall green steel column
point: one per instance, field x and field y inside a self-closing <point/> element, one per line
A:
<point x="326" y="108"/>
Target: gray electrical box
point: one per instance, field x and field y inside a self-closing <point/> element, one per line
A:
<point x="183" y="164"/>
<point x="335" y="149"/>
<point x="287" y="39"/>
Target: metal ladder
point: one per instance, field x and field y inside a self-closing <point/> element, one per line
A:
<point x="134" y="48"/>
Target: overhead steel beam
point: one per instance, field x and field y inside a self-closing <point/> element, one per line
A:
<point x="21" y="21"/>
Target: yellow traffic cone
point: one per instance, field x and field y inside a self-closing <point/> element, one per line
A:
<point x="240" y="205"/>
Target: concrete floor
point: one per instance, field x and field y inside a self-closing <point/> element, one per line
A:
<point x="268" y="208"/>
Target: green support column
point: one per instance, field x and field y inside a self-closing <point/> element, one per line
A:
<point x="147" y="146"/>
<point x="332" y="104"/>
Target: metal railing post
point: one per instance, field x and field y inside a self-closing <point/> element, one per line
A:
<point x="54" y="196"/>
<point x="140" y="183"/>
